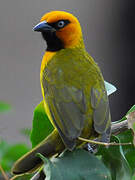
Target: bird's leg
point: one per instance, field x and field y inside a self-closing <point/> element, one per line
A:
<point x="105" y="137"/>
<point x="92" y="148"/>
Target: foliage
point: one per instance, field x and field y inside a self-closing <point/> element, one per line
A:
<point x="84" y="166"/>
<point x="113" y="157"/>
<point x="10" y="153"/>
<point x="41" y="125"/>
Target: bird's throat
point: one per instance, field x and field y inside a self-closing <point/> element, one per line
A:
<point x="53" y="42"/>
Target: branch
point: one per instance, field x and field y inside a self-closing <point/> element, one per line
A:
<point x="117" y="128"/>
<point x="103" y="143"/>
<point x="3" y="173"/>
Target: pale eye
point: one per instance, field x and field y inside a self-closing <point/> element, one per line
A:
<point x="61" y="24"/>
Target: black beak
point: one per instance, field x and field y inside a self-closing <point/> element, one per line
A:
<point x="43" y="26"/>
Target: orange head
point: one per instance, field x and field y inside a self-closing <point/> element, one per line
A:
<point x="60" y="30"/>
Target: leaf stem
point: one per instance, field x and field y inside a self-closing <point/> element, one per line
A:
<point x="103" y="143"/>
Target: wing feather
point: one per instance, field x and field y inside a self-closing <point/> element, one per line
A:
<point x="67" y="108"/>
<point x="101" y="113"/>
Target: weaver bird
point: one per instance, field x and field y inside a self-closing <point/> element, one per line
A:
<point x="73" y="90"/>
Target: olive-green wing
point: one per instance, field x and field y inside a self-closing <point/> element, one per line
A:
<point x="101" y="112"/>
<point x="67" y="107"/>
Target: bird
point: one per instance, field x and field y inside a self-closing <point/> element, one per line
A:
<point x="73" y="89"/>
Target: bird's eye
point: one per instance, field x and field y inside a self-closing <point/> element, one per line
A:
<point x="61" y="24"/>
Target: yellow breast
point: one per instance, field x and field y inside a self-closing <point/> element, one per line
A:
<point x="46" y="58"/>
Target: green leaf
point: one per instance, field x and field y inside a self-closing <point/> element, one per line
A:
<point x="130" y="110"/>
<point x="76" y="165"/>
<point x="16" y="151"/>
<point x="4" y="106"/>
<point x="3" y="149"/>
<point x="129" y="151"/>
<point x="42" y="127"/>
<point x="109" y="88"/>
<point x="113" y="157"/>
<point x="10" y="153"/>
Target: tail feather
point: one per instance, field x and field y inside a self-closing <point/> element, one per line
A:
<point x="48" y="147"/>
